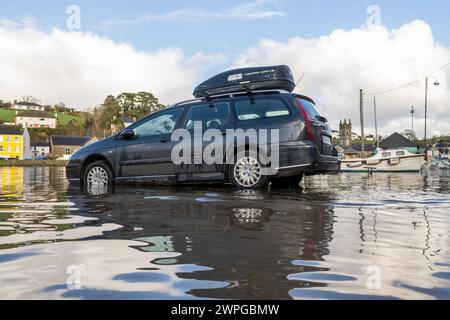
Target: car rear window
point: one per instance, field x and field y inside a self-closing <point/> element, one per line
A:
<point x="261" y="108"/>
<point x="310" y="109"/>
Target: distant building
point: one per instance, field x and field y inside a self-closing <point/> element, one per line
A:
<point x="28" y="106"/>
<point x="370" y="138"/>
<point x="36" y="119"/>
<point x="355" y="151"/>
<point x="398" y="141"/>
<point x="345" y="136"/>
<point x="14" y="142"/>
<point x="126" y="121"/>
<point x="120" y="123"/>
<point x="40" y="149"/>
<point x="345" y="133"/>
<point x="61" y="146"/>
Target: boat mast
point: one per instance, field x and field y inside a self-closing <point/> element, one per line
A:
<point x="376" y="123"/>
<point x="361" y="113"/>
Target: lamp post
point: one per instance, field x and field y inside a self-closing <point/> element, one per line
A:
<point x="436" y="83"/>
<point x="412" y="117"/>
<point x="376" y="123"/>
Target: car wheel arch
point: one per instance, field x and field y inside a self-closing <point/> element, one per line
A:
<point x="91" y="159"/>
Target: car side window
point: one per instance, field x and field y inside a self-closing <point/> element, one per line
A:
<point x="261" y="108"/>
<point x="161" y="124"/>
<point x="213" y="116"/>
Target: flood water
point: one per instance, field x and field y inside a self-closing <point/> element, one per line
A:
<point x="338" y="237"/>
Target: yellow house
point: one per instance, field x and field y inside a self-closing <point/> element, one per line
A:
<point x="14" y="143"/>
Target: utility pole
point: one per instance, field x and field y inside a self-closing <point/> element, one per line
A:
<point x="376" y="122"/>
<point x="426" y="109"/>
<point x="412" y="117"/>
<point x="361" y="112"/>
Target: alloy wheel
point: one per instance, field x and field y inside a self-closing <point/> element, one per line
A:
<point x="97" y="176"/>
<point x="247" y="172"/>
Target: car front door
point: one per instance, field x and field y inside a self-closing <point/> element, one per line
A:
<point x="146" y="154"/>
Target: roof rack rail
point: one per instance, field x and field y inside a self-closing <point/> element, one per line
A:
<point x="183" y="102"/>
<point x="247" y="92"/>
<point x="224" y="95"/>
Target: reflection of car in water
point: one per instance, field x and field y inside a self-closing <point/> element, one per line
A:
<point x="239" y="236"/>
<point x="250" y="218"/>
<point x="142" y="152"/>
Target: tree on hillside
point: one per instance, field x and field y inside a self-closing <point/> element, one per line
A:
<point x="137" y="105"/>
<point x="130" y="105"/>
<point x="109" y="112"/>
<point x="4" y="104"/>
<point x="29" y="99"/>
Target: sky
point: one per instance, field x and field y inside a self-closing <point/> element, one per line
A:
<point x="77" y="52"/>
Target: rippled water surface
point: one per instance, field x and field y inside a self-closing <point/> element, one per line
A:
<point x="338" y="237"/>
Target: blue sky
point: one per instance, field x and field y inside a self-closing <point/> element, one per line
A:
<point x="307" y="18"/>
<point x="174" y="45"/>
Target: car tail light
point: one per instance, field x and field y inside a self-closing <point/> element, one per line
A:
<point x="307" y="120"/>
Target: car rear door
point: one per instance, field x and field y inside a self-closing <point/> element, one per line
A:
<point x="210" y="115"/>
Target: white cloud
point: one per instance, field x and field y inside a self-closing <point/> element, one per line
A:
<point x="374" y="59"/>
<point x="80" y="69"/>
<point x="258" y="9"/>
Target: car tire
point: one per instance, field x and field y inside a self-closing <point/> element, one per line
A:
<point x="288" y="182"/>
<point x="246" y="173"/>
<point x="98" y="173"/>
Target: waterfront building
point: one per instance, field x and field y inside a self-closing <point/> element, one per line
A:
<point x="14" y="142"/>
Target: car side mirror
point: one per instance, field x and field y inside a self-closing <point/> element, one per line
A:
<point x="126" y="134"/>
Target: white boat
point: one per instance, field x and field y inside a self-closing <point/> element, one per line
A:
<point x="395" y="160"/>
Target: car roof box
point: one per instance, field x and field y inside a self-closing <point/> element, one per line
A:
<point x="247" y="79"/>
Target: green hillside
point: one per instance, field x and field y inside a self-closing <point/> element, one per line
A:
<point x="7" y="115"/>
<point x="64" y="119"/>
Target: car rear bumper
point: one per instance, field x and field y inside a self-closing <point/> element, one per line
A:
<point x="304" y="158"/>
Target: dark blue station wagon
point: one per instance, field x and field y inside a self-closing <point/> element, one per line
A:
<point x="143" y="151"/>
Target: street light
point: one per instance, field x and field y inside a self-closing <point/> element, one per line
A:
<point x="436" y="83"/>
<point x="412" y="117"/>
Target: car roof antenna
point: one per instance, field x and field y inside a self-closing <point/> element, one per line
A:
<point x="298" y="82"/>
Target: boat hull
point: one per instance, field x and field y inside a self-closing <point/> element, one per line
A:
<point x="406" y="164"/>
